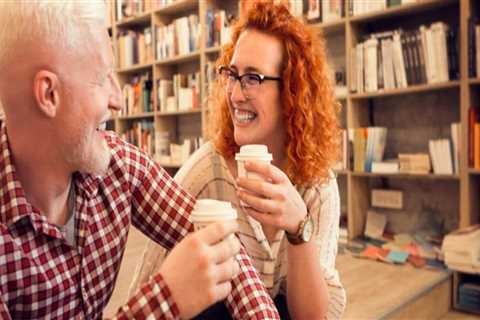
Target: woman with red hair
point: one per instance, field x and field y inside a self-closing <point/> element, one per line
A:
<point x="273" y="89"/>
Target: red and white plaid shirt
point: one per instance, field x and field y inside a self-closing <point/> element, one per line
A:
<point x="42" y="277"/>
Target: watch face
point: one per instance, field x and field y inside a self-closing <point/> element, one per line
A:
<point x="307" y="230"/>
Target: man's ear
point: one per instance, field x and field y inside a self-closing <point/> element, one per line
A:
<point x="46" y="91"/>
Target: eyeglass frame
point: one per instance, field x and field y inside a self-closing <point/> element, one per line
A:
<point x="238" y="77"/>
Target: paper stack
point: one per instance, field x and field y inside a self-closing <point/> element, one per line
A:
<point x="461" y="249"/>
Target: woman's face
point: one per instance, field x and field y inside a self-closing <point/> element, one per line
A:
<point x="256" y="110"/>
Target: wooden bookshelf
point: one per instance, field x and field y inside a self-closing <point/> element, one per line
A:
<point x="428" y="176"/>
<point x="137" y="116"/>
<point x="177" y="113"/>
<point x="346" y="33"/>
<point x="409" y="90"/>
<point x="135" y="69"/>
<point x="139" y="20"/>
<point x="193" y="56"/>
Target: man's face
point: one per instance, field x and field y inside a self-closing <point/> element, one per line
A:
<point x="257" y="113"/>
<point x="90" y="93"/>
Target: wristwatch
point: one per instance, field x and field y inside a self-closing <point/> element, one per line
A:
<point x="304" y="232"/>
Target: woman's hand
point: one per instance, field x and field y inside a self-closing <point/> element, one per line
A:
<point x="274" y="201"/>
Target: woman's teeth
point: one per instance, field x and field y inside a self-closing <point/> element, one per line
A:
<point x="244" y="115"/>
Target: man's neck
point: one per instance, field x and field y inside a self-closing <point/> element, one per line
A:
<point x="45" y="181"/>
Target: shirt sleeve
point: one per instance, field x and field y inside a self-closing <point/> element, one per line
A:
<point x="153" y="300"/>
<point x="323" y="203"/>
<point x="4" y="313"/>
<point x="249" y="299"/>
<point x="161" y="208"/>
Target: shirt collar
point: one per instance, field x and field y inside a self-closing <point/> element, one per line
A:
<point x="13" y="203"/>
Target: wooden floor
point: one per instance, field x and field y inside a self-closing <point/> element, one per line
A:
<point x="374" y="289"/>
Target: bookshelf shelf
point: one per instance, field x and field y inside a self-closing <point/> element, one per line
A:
<point x="330" y="27"/>
<point x="474" y="81"/>
<point x="178" y="7"/>
<point x="401" y="10"/>
<point x="138" y="68"/>
<point x="409" y="90"/>
<point x="474" y="172"/>
<point x="137" y="116"/>
<point x="178" y="113"/>
<point x="341" y="172"/>
<point x="179" y="59"/>
<point x="213" y="50"/>
<point x="139" y="20"/>
<point x="406" y="176"/>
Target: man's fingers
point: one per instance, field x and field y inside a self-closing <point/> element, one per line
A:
<point x="221" y="291"/>
<point x="225" y="249"/>
<point x="217" y="231"/>
<point x="227" y="270"/>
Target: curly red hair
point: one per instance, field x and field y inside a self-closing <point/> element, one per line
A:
<point x="310" y="107"/>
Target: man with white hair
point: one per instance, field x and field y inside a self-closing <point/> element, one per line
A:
<point x="69" y="190"/>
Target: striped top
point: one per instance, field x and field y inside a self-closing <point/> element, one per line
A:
<point x="206" y="175"/>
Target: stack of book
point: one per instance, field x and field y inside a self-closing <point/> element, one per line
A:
<point x="179" y="94"/>
<point x="398" y="58"/>
<point x="473" y="138"/>
<point x="135" y="47"/>
<point x="141" y="134"/>
<point x="129" y="8"/>
<point x="181" y="37"/>
<point x="368" y="147"/>
<point x="137" y="96"/>
<point x="218" y="27"/>
<point x="469" y="296"/>
<point x="461" y="249"/>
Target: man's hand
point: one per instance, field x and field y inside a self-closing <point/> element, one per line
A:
<point x="199" y="269"/>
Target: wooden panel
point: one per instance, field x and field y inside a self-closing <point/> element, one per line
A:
<point x="358" y="200"/>
<point x="431" y="305"/>
<point x="376" y="290"/>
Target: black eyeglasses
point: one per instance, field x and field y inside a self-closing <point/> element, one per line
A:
<point x="249" y="81"/>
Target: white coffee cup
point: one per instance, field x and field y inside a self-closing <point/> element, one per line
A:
<point x="207" y="211"/>
<point x="251" y="152"/>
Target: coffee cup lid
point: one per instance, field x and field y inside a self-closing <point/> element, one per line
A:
<point x="254" y="151"/>
<point x="210" y="209"/>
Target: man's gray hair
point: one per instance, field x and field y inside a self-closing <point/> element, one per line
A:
<point x="56" y="22"/>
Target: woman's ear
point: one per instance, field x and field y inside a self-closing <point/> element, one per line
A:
<point x="46" y="92"/>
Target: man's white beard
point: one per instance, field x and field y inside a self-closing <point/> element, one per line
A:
<point x="87" y="161"/>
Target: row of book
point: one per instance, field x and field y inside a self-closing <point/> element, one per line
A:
<point x="474" y="138"/>
<point x="362" y="150"/>
<point x="179" y="94"/>
<point x="130" y="8"/>
<point x="137" y="96"/>
<point x="180" y="37"/>
<point x="168" y="152"/>
<point x="218" y="27"/>
<point x="398" y="58"/>
<point x="135" y="47"/>
<point x="368" y="147"/>
<point x="141" y="134"/>
<point x="473" y="47"/>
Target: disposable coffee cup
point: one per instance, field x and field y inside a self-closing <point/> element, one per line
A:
<point x="208" y="211"/>
<point x="251" y="152"/>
